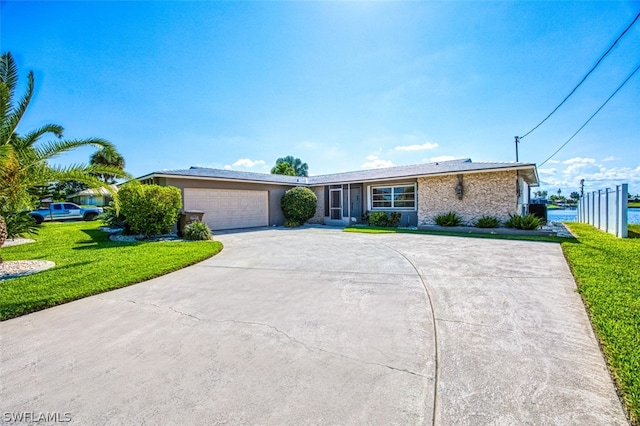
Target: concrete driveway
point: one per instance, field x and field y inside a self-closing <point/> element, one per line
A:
<point x="316" y="326"/>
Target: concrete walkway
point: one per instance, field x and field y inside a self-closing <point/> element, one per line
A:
<point x="316" y="326"/>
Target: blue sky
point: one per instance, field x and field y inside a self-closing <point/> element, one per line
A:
<point x="341" y="85"/>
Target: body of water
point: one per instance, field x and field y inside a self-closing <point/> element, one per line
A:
<point x="558" y="215"/>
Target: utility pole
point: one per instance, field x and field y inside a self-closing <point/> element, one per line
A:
<point x="581" y="189"/>
<point x="517" y="142"/>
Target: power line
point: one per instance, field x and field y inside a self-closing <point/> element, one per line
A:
<point x="594" y="114"/>
<point x="583" y="78"/>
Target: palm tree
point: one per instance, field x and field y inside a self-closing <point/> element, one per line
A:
<point x="24" y="159"/>
<point x="299" y="168"/>
<point x="283" y="169"/>
<point x="107" y="157"/>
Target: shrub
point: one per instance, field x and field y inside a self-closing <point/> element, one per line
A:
<point x="149" y="209"/>
<point x="299" y="204"/>
<point x="448" y="219"/>
<point x="197" y="231"/>
<point x="378" y="219"/>
<point x="19" y="224"/>
<point x="290" y="223"/>
<point x="527" y="222"/>
<point x="487" y="222"/>
<point x="112" y="219"/>
<point x="394" y="219"/>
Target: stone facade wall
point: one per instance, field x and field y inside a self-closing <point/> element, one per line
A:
<point x="490" y="194"/>
<point x="318" y="218"/>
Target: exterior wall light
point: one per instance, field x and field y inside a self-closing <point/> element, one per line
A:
<point x="459" y="188"/>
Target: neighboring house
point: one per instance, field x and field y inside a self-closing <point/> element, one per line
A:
<point x="420" y="192"/>
<point x="93" y="197"/>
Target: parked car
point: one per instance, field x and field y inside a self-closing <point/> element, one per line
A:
<point x="62" y="211"/>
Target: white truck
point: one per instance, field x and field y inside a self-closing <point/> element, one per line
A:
<point x="63" y="211"/>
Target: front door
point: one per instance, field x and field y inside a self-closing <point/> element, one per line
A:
<point x="356" y="203"/>
<point x="335" y="203"/>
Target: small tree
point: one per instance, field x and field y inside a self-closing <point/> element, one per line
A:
<point x="298" y="205"/>
<point x="283" y="169"/>
<point x="299" y="168"/>
<point x="150" y="209"/>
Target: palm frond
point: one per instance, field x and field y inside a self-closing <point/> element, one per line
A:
<point x="8" y="71"/>
<point x="52" y="149"/>
<point x="6" y="151"/>
<point x="16" y="115"/>
<point x="28" y="140"/>
<point x="5" y="112"/>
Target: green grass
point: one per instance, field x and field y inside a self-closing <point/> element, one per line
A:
<point x="634" y="204"/>
<point x="88" y="263"/>
<point x="378" y="230"/>
<point x="607" y="271"/>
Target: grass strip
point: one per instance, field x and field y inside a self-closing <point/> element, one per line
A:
<point x="607" y="272"/>
<point x="88" y="263"/>
<point x="379" y="230"/>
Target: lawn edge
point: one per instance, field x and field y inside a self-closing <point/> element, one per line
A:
<point x="626" y="408"/>
<point x="147" y="278"/>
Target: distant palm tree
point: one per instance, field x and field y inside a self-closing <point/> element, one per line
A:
<point x="283" y="169"/>
<point x="24" y="163"/>
<point x="299" y="168"/>
<point x="107" y="157"/>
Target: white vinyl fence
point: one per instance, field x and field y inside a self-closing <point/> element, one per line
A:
<point x="606" y="209"/>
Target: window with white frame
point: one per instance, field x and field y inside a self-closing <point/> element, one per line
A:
<point x="393" y="197"/>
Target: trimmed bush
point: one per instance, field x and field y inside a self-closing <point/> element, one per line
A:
<point x="150" y="209"/>
<point x="197" y="231"/>
<point x="528" y="222"/>
<point x="289" y="223"/>
<point x="448" y="219"/>
<point x="298" y="205"/>
<point x="378" y="219"/>
<point x="487" y="222"/>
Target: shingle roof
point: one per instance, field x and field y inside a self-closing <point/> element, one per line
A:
<point x="205" y="172"/>
<point x="399" y="172"/>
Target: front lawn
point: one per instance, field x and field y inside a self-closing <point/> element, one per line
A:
<point x="607" y="272"/>
<point x="88" y="263"/>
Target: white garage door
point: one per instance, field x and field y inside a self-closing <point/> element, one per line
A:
<point x="229" y="208"/>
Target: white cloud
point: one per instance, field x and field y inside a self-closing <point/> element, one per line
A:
<point x="580" y="160"/>
<point x="427" y="146"/>
<point x="595" y="174"/>
<point x="227" y="167"/>
<point x="438" y="158"/>
<point x="373" y="162"/>
<point x="246" y="162"/>
<point x="609" y="158"/>
<point x="547" y="171"/>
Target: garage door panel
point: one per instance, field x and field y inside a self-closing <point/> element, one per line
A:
<point x="229" y="209"/>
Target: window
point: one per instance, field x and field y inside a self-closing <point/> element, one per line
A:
<point x="393" y="197"/>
